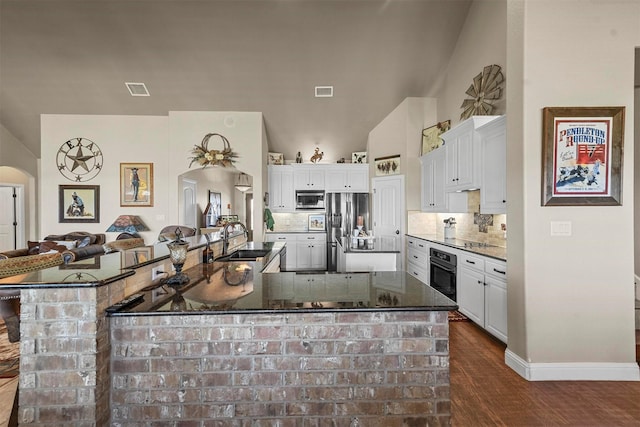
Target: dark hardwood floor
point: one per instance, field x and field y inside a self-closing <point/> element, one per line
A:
<point x="485" y="392"/>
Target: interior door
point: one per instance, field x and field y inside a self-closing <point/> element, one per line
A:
<point x="388" y="212"/>
<point x="11" y="218"/>
<point x="190" y="207"/>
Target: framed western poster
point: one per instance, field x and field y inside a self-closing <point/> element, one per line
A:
<point x="582" y="156"/>
<point x="78" y="203"/>
<point x="136" y="184"/>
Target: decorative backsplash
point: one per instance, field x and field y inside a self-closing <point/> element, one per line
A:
<point x="290" y="222"/>
<point x="472" y="225"/>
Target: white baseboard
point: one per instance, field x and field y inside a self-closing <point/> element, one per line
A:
<point x="572" y="371"/>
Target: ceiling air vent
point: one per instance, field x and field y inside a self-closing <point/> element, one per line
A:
<point x="324" y="91"/>
<point x="137" y="89"/>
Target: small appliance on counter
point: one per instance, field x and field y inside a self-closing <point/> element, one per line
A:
<point x="450" y="228"/>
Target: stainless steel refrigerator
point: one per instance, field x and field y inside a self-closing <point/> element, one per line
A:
<point x="343" y="210"/>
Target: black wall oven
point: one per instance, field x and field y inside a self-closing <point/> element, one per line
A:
<point x="443" y="272"/>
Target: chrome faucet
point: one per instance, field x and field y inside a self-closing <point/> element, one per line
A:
<point x="225" y="234"/>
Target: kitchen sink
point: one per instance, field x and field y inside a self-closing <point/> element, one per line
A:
<point x="244" y="255"/>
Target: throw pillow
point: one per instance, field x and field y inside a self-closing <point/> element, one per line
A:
<point x="69" y="244"/>
<point x="49" y="247"/>
<point x="34" y="247"/>
<point x="83" y="242"/>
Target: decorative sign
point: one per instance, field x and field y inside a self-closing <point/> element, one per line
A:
<point x="582" y="155"/>
<point x="79" y="159"/>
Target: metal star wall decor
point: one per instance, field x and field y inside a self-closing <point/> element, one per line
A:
<point x="485" y="89"/>
<point x="79" y="159"/>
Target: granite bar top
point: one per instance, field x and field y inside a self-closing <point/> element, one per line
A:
<point x="104" y="269"/>
<point x="239" y="287"/>
<point x="491" y="251"/>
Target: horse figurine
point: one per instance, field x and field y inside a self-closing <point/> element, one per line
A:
<point x="317" y="156"/>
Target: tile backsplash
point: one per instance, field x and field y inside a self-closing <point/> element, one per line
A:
<point x="290" y="222"/>
<point x="466" y="228"/>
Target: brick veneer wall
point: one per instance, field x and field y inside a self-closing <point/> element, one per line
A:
<point x="64" y="356"/>
<point x="361" y="368"/>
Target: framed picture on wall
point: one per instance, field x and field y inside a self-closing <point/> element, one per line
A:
<point x="582" y="156"/>
<point x="136" y="184"/>
<point x="389" y="165"/>
<point x="78" y="203"/>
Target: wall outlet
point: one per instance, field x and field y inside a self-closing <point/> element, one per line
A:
<point x="156" y="273"/>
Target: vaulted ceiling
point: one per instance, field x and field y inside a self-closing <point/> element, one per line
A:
<point x="74" y="57"/>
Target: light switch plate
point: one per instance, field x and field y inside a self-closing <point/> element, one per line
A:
<point x="561" y="228"/>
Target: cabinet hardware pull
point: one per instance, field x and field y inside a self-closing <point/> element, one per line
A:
<point x="498" y="271"/>
<point x="470" y="262"/>
<point x="415" y="257"/>
<point x="480" y="281"/>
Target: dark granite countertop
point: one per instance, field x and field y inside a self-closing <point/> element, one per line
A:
<point x="491" y="251"/>
<point x="239" y="287"/>
<point x="104" y="269"/>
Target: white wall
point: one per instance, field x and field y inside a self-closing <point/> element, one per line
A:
<point x="481" y="42"/>
<point x="400" y="133"/>
<point x="121" y="139"/>
<point x="19" y="166"/>
<point x="637" y="180"/>
<point x="165" y="141"/>
<point x="245" y="134"/>
<point x="571" y="299"/>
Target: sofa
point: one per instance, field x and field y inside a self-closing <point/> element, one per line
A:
<point x="73" y="246"/>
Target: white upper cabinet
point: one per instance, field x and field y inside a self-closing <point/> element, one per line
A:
<point x="434" y="197"/>
<point x="281" y="192"/>
<point x="462" y="154"/>
<point x="493" y="189"/>
<point x="308" y="177"/>
<point x="342" y="178"/>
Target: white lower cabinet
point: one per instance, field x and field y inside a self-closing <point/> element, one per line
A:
<point x="311" y="252"/>
<point x="305" y="251"/>
<point x="482" y="292"/>
<point x="495" y="299"/>
<point x="290" y="241"/>
<point x="418" y="259"/>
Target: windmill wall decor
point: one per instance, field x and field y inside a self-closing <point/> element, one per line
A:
<point x="485" y="89"/>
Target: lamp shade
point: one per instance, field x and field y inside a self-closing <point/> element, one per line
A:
<point x="128" y="224"/>
<point x="243" y="183"/>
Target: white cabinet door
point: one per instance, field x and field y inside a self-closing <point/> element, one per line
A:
<point x="462" y="147"/>
<point x="281" y="192"/>
<point x="308" y="178"/>
<point x="434" y="197"/>
<point x="495" y="300"/>
<point x="358" y="179"/>
<point x="495" y="297"/>
<point x="493" y="186"/>
<point x="470" y="294"/>
<point x="347" y="178"/>
<point x="311" y="252"/>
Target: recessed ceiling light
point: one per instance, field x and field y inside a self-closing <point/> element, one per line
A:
<point x="137" y="89"/>
<point x="324" y="91"/>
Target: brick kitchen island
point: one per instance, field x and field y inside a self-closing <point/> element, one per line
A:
<point x="235" y="347"/>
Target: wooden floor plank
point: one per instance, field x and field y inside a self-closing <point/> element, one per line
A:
<point x="485" y="392"/>
<point x="8" y="390"/>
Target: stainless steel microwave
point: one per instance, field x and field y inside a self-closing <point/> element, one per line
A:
<point x="309" y="199"/>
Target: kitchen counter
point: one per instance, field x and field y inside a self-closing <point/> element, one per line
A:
<point x="239" y="346"/>
<point x="239" y="287"/>
<point x="491" y="251"/>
